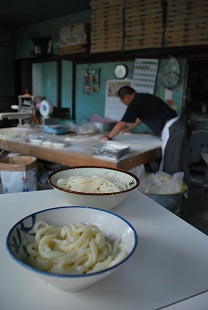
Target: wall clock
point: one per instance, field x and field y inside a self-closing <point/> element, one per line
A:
<point x="120" y="71"/>
<point x="171" y="73"/>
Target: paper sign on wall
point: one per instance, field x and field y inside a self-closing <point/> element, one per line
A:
<point x="114" y="109"/>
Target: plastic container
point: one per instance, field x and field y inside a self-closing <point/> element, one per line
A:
<point x="104" y="127"/>
<point x="171" y="202"/>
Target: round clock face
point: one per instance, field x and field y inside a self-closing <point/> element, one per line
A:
<point x="171" y="73"/>
<point x="46" y="108"/>
<point x="120" y="71"/>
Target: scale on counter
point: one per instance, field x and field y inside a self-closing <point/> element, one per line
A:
<point x="25" y="109"/>
<point x="50" y="125"/>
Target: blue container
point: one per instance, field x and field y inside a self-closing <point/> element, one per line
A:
<point x="171" y="202"/>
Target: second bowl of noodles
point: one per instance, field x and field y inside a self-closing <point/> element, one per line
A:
<point x="97" y="187"/>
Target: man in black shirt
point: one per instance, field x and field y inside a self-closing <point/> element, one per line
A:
<point x="162" y="120"/>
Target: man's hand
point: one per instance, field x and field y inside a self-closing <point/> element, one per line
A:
<point x="104" y="138"/>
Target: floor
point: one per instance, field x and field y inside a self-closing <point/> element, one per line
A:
<point x="194" y="209"/>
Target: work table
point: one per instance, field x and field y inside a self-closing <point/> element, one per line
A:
<point x="77" y="149"/>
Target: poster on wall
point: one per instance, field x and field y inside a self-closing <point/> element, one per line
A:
<point x="91" y="81"/>
<point x="114" y="109"/>
<point x="145" y="75"/>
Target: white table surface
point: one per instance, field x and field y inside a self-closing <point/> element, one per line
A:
<point x="170" y="263"/>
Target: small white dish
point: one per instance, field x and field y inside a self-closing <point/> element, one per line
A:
<point x="58" y="145"/>
<point x="47" y="143"/>
<point x="36" y="141"/>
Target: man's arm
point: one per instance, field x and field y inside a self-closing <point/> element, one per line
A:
<point x="132" y="126"/>
<point x="119" y="127"/>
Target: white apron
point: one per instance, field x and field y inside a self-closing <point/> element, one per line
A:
<point x="165" y="137"/>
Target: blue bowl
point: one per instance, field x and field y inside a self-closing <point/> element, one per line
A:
<point x="110" y="224"/>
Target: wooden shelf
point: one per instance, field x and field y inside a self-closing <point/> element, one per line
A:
<point x="188" y="52"/>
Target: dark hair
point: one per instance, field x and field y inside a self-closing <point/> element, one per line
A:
<point x="125" y="90"/>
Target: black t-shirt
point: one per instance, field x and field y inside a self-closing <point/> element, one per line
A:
<point x="151" y="110"/>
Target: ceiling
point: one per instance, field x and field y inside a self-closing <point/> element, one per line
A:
<point x="17" y="13"/>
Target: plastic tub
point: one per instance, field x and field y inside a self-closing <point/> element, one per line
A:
<point x="171" y="202"/>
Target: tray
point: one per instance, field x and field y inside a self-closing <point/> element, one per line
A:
<point x="55" y="129"/>
<point x="111" y="150"/>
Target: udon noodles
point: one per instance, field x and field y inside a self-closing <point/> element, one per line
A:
<point x="106" y="183"/>
<point x="73" y="249"/>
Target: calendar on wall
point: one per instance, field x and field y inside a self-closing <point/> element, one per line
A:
<point x="145" y="75"/>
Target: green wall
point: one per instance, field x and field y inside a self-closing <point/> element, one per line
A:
<point x="87" y="105"/>
<point x="50" y="81"/>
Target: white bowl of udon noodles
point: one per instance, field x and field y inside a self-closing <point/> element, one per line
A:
<point x="72" y="247"/>
<point x="98" y="187"/>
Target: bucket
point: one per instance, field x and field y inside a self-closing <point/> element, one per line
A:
<point x="103" y="127"/>
<point x="171" y="202"/>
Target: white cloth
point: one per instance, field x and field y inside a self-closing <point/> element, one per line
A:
<point x="165" y="137"/>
